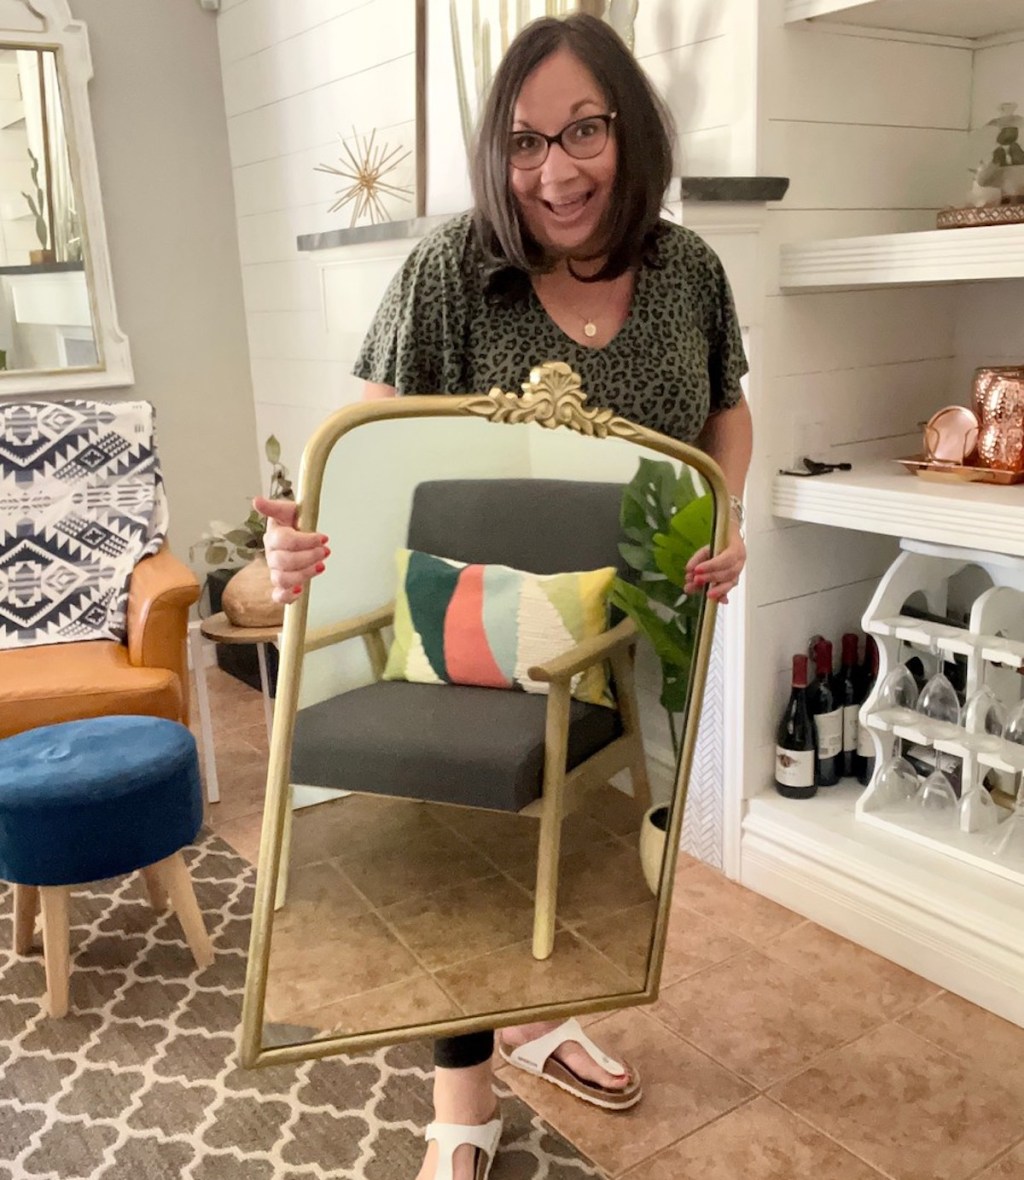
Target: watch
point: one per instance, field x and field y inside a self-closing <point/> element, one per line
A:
<point x="736" y="508"/>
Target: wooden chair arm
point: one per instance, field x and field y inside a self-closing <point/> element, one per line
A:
<point x="353" y="628"/>
<point x="584" y="655"/>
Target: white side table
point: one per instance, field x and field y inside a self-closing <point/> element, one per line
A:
<point x="217" y="629"/>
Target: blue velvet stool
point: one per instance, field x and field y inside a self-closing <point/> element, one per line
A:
<point x="88" y="800"/>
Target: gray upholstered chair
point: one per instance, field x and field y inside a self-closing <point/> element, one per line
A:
<point x="504" y="750"/>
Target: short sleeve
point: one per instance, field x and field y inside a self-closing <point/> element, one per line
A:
<point x="416" y="342"/>
<point x="727" y="360"/>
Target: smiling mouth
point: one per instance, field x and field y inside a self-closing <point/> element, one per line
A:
<point x="568" y="208"/>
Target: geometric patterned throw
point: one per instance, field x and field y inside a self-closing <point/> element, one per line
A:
<point x="140" y="1080"/>
<point x="81" y="501"/>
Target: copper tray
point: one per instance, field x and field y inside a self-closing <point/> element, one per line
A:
<point x="986" y="215"/>
<point x="958" y="473"/>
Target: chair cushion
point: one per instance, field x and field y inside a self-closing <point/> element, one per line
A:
<point x="71" y="681"/>
<point x="479" y="747"/>
<point x="93" y="799"/>
<point x="489" y="624"/>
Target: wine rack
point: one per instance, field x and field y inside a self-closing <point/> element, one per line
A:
<point x="992" y="643"/>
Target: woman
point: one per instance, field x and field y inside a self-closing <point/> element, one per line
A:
<point x="563" y="258"/>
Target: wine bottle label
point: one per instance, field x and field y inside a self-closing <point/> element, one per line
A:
<point x="794" y="768"/>
<point x="850" y="726"/>
<point x="829" y="727"/>
<point x="865" y="746"/>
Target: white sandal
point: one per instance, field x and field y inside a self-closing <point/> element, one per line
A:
<point x="536" y="1058"/>
<point x="449" y="1136"/>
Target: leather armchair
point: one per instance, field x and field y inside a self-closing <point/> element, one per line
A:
<point x="147" y="675"/>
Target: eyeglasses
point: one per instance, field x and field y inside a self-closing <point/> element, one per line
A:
<point x="582" y="139"/>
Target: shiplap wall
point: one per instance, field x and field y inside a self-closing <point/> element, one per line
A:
<point x="297" y="75"/>
<point x="871" y="133"/>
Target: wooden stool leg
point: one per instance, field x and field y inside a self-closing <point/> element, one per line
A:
<point x="154" y="888"/>
<point x="54" y="901"/>
<point x="172" y="875"/>
<point x="26" y="906"/>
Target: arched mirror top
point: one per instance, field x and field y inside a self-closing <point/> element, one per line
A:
<point x="58" y="319"/>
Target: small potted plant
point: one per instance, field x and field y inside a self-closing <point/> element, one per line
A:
<point x="246" y="600"/>
<point x="37" y="204"/>
<point x="666" y="517"/>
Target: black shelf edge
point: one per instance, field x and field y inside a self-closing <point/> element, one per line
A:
<point x="733" y="188"/>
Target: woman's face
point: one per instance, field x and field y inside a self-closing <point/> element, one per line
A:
<point x="564" y="201"/>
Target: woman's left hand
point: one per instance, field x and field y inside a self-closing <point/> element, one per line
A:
<point x="718" y="574"/>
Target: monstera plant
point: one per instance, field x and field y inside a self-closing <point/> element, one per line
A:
<point x="666" y="517"/>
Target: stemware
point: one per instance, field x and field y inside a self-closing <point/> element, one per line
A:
<point x="897" y="784"/>
<point x="898" y="695"/>
<point x="1008" y="838"/>
<point x="984" y="716"/>
<point x="938" y="700"/>
<point x="979" y="812"/>
<point x="936" y="798"/>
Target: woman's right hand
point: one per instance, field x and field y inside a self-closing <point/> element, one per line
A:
<point x="293" y="557"/>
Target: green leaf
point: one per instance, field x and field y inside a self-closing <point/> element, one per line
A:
<point x="272" y="449"/>
<point x="239" y="536"/>
<point x="658" y="631"/>
<point x="215" y="554"/>
<point x="674" y="689"/>
<point x="638" y="557"/>
<point x="1016" y="153"/>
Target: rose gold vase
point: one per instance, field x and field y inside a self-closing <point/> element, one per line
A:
<point x="998" y="395"/>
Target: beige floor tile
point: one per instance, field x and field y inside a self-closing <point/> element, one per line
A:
<point x="740" y="911"/>
<point x="358" y="825"/>
<point x="625" y="938"/>
<point x="905" y="1106"/>
<point x="613" y="809"/>
<point x="511" y="840"/>
<point x="418" y="1000"/>
<point x="243" y="834"/>
<point x="758" y="1141"/>
<point x="880" y="984"/>
<point x="512" y="977"/>
<point x="462" y="922"/>
<point x="761" y="1019"/>
<point x="424" y="865"/>
<point x="319" y="904"/>
<point x="683" y="1090"/>
<point x="242" y="778"/>
<point x="599" y="880"/>
<point x="693" y="943"/>
<point x="308" y="972"/>
<point x="1009" y="1167"/>
<point x="986" y="1041"/>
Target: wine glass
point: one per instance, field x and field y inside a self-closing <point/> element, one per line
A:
<point x="897" y="784"/>
<point x="979" y="812"/>
<point x="1008" y="838"/>
<point x="985" y="718"/>
<point x="897" y="695"/>
<point x="936" y="798"/>
<point x="938" y="700"/>
<point x="1013" y="729"/>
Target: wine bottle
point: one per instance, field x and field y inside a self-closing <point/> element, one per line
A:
<point x="865" y="760"/>
<point x="846" y="691"/>
<point x="827" y="717"/>
<point x="794" y="749"/>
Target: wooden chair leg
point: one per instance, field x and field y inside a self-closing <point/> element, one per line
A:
<point x="629" y="708"/>
<point x="556" y="738"/>
<point x="158" y="898"/>
<point x="172" y="876"/>
<point x="54" y="903"/>
<point x="26" y="906"/>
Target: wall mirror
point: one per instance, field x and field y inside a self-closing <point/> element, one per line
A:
<point x="58" y="323"/>
<point x="442" y="857"/>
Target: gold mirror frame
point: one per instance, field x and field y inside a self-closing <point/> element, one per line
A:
<point x="553" y="398"/>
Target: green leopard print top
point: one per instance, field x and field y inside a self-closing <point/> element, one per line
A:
<point x="678" y="357"/>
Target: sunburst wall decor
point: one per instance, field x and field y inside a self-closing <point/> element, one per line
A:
<point x="366" y="169"/>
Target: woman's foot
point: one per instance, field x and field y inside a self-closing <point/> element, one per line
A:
<point x="465" y="1097"/>
<point x="572" y="1055"/>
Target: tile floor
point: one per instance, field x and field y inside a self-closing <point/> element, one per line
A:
<point x="777" y="1050"/>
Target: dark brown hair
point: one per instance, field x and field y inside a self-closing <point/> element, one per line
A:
<point x="643" y="132"/>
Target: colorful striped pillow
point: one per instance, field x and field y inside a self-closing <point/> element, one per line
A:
<point x="489" y="624"/>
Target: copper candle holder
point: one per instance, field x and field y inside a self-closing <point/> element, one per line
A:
<point x="998" y="400"/>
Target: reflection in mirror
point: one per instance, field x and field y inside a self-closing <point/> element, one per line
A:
<point x="465" y="840"/>
<point x="46" y="318"/>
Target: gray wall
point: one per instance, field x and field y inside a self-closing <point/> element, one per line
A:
<point x="161" y="138"/>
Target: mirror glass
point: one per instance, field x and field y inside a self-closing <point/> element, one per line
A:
<point x="46" y="307"/>
<point x="409" y="889"/>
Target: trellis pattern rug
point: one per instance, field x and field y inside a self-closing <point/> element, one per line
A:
<point x="140" y="1081"/>
<point x="81" y="501"/>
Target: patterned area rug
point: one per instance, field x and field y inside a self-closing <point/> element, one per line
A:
<point x="140" y="1081"/>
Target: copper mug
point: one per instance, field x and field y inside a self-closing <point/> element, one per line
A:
<point x="998" y="399"/>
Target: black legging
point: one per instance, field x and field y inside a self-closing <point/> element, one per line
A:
<point x="462" y="1052"/>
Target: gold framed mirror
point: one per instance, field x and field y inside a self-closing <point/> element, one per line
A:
<point x="404" y="856"/>
<point x="58" y="321"/>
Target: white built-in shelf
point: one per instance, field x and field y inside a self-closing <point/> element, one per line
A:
<point x="881" y="497"/>
<point x="930" y="256"/>
<point x="971" y="20"/>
